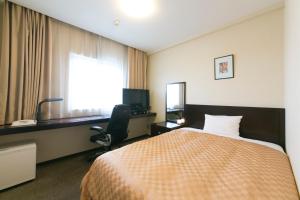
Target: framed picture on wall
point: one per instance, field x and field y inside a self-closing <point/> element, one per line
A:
<point x="224" y="67"/>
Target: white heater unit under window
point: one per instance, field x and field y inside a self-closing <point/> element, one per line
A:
<point x="17" y="164"/>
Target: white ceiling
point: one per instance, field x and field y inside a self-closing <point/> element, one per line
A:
<point x="175" y="21"/>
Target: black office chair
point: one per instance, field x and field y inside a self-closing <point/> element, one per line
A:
<point x="116" y="130"/>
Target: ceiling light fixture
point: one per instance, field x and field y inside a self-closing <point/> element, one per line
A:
<point x="138" y="8"/>
<point x="117" y="22"/>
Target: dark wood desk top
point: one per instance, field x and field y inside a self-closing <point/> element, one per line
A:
<point x="61" y="123"/>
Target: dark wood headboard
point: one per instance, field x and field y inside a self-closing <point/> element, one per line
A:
<point x="266" y="124"/>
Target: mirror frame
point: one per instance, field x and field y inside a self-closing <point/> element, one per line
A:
<point x="166" y="98"/>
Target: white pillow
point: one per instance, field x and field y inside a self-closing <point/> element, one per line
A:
<point x="224" y="125"/>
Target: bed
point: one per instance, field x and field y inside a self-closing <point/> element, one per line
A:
<point x="189" y="163"/>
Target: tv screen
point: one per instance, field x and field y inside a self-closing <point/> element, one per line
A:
<point x="136" y="98"/>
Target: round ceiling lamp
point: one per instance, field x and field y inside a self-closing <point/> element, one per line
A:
<point x="138" y="8"/>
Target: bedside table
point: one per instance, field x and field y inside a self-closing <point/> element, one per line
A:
<point x="162" y="127"/>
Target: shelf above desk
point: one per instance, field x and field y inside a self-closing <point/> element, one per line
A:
<point x="61" y="123"/>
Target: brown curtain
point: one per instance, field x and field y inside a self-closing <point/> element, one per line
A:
<point x="137" y="69"/>
<point x="24" y="62"/>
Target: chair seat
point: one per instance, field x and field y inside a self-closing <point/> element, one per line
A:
<point x="116" y="130"/>
<point x="99" y="137"/>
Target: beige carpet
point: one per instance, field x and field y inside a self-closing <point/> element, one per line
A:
<point x="56" y="180"/>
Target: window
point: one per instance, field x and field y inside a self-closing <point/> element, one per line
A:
<point x="95" y="86"/>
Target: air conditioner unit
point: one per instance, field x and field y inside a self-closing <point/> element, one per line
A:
<point x="17" y="164"/>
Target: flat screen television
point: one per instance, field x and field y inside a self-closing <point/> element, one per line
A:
<point x="138" y="99"/>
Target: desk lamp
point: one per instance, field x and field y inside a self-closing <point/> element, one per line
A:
<point x="38" y="114"/>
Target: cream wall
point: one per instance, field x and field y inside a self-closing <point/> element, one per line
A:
<point x="257" y="45"/>
<point x="292" y="84"/>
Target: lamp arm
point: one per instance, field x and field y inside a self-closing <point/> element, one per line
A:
<point x="38" y="113"/>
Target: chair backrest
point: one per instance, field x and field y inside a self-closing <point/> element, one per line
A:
<point x="118" y="123"/>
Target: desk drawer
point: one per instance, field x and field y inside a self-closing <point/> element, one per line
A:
<point x="157" y="130"/>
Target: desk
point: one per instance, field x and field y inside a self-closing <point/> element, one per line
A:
<point x="63" y="137"/>
<point x="61" y="123"/>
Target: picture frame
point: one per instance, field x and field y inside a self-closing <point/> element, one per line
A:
<point x="224" y="67"/>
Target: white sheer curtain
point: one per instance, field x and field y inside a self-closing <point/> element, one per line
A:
<point x="88" y="71"/>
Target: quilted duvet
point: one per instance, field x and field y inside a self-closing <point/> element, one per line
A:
<point x="183" y="164"/>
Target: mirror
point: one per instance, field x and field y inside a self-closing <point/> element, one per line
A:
<point x="175" y="101"/>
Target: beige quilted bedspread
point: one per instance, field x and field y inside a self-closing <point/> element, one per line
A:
<point x="183" y="164"/>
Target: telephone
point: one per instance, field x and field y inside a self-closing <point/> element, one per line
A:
<point x="25" y="122"/>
